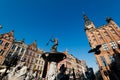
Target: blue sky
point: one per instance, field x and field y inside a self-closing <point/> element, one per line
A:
<point x="41" y="19"/>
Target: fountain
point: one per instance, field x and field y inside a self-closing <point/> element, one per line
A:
<point x="18" y="72"/>
<point x="52" y="58"/>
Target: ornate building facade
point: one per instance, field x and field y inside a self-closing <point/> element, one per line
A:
<point x="75" y="67"/>
<point x="18" y="48"/>
<point x="108" y="36"/>
<point x="6" y="41"/>
<point x="33" y="59"/>
<point x="39" y="63"/>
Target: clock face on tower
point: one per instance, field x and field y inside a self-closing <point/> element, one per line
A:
<point x="89" y="26"/>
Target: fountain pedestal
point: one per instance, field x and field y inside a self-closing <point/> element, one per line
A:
<point x="53" y="58"/>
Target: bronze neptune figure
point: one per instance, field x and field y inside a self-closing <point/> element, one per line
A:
<point x="54" y="47"/>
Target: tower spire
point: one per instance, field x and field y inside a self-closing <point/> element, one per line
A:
<point x="87" y="21"/>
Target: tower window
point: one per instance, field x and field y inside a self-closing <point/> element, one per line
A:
<point x="113" y="44"/>
<point x="105" y="47"/>
<point x="103" y="61"/>
<point x="113" y="31"/>
<point x="111" y="58"/>
<point x="106" y="34"/>
<point x="100" y="37"/>
<point x="1" y="42"/>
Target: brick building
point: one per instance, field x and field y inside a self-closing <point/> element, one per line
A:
<point x="72" y="63"/>
<point x="6" y="41"/>
<point x="19" y="48"/>
<point x="108" y="36"/>
<point x="39" y="63"/>
<point x="33" y="59"/>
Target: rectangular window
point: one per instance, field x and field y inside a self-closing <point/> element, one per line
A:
<point x="1" y="52"/>
<point x="39" y="62"/>
<point x="99" y="36"/>
<point x="9" y="54"/>
<point x="105" y="33"/>
<point x="33" y="60"/>
<point x="36" y="61"/>
<point x="35" y="66"/>
<point x="113" y="44"/>
<point x="111" y="58"/>
<point x="42" y="63"/>
<point x="1" y="42"/>
<point x="6" y="44"/>
<point x="112" y="30"/>
<point x="38" y="67"/>
<point x="18" y="48"/>
<point x="41" y="68"/>
<point x="105" y="47"/>
<point x="13" y="47"/>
